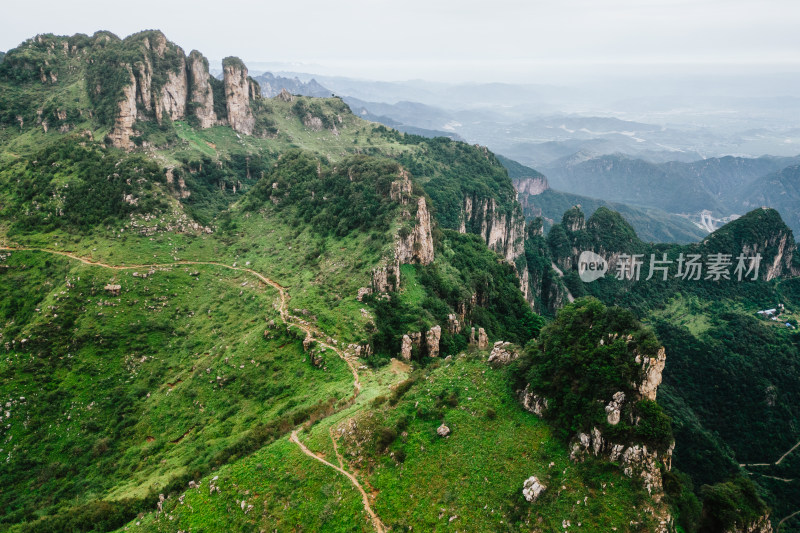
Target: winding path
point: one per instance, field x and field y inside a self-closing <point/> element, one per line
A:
<point x="779" y="461"/>
<point x="376" y="522"/>
<point x="785" y="519"/>
<point x="310" y="330"/>
<point x="282" y="309"/>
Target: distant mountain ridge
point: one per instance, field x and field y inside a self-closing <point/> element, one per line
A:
<point x="272" y="85"/>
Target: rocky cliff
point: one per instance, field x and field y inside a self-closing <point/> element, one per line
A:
<point x="414" y="243"/>
<point x="503" y="230"/>
<point x="761" y="231"/>
<point x="239" y="89"/>
<point x="413" y="240"/>
<point x="636" y="459"/>
<point x="530" y="185"/>
<point x="166" y="85"/>
<point x="201" y="95"/>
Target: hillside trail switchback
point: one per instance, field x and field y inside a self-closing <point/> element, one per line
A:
<point x="311" y="330"/>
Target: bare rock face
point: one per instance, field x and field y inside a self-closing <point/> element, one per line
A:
<point x="443" y="431"/>
<point x="401" y="190"/>
<point x="417" y="245"/>
<point x="502" y="353"/>
<point x="652" y="368"/>
<point x="237" y="96"/>
<point x="113" y="289"/>
<point x="614" y="408"/>
<point x="175" y="91"/>
<point x="432" y="340"/>
<point x="386" y="278"/>
<point x="532" y="488"/>
<point x="502" y="232"/>
<point x="201" y="94"/>
<point x="636" y="460"/>
<point x="481" y="340"/>
<point x="532" y="402"/>
<point x="285" y="96"/>
<point x="533" y="186"/>
<point x="122" y="131"/>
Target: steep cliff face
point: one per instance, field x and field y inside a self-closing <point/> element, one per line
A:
<point x="503" y="231"/>
<point x="201" y="94"/>
<point x="413" y="241"/>
<point x="126" y="116"/>
<point x="167" y="86"/>
<point x="237" y="95"/>
<point x="530" y="186"/>
<point x="174" y="92"/>
<point x="761" y="231"/>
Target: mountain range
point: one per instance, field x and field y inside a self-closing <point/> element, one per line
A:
<point x="227" y="312"/>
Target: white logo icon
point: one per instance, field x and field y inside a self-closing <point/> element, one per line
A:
<point x="591" y="266"/>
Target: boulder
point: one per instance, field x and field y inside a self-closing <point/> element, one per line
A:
<point x="532" y="488"/>
<point x="502" y="353"/>
<point x="443" y="430"/>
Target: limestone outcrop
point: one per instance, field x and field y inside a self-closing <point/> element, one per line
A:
<point x="652" y="368"/>
<point x="481" y="340"/>
<point x="175" y="92"/>
<point x="405" y="348"/>
<point x="503" y="232"/>
<point x="532" y="186"/>
<point x="122" y="131"/>
<point x="614" y="408"/>
<point x="636" y="460"/>
<point x="502" y="353"/>
<point x="532" y="402"/>
<point x="201" y="94"/>
<point x="413" y="245"/>
<point x="761" y="525"/>
<point x="166" y="85"/>
<point x="532" y="488"/>
<point x="416" y="246"/>
<point x="386" y="278"/>
<point x="237" y="95"/>
<point x="432" y="338"/>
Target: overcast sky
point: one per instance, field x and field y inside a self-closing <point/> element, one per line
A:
<point x="502" y="40"/>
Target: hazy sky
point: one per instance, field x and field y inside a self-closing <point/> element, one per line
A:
<point x="503" y="40"/>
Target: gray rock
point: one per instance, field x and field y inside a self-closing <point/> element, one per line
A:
<point x="532" y="488"/>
